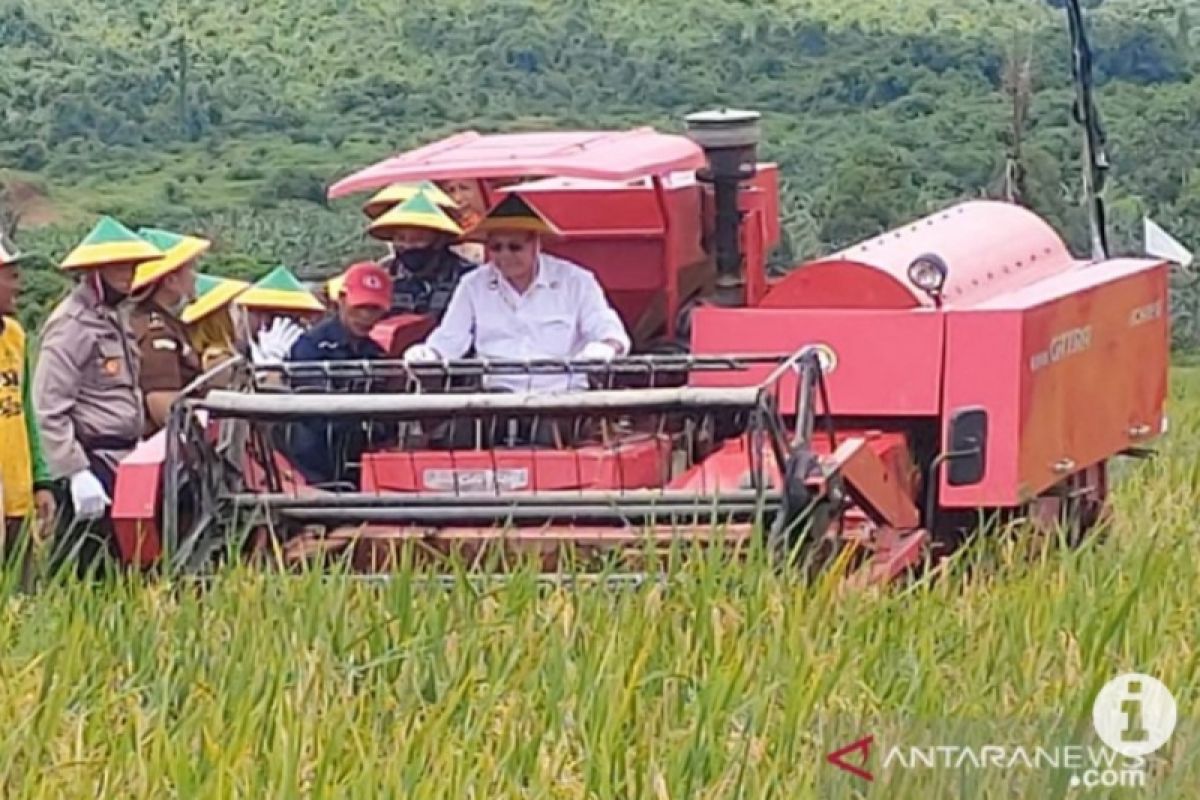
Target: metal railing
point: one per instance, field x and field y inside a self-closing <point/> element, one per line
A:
<point x="237" y="471"/>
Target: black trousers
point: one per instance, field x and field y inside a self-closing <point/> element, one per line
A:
<point x="87" y="545"/>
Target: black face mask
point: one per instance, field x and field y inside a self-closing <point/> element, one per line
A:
<point x="421" y="260"/>
<point x="111" y="297"/>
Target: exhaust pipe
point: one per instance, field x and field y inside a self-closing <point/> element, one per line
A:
<point x="730" y="140"/>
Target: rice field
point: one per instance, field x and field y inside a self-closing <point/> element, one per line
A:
<point x="717" y="682"/>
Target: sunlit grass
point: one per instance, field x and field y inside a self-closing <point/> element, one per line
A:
<point x="720" y="681"/>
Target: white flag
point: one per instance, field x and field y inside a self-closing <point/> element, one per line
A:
<point x="1161" y="244"/>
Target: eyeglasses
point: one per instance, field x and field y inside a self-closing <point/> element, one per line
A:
<point x="512" y="247"/>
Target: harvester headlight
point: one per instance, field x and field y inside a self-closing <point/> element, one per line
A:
<point x="928" y="273"/>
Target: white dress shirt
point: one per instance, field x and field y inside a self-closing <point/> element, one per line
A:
<point x="561" y="311"/>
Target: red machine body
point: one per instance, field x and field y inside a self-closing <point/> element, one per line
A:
<point x="627" y="203"/>
<point x="1069" y="359"/>
<point x="1051" y="365"/>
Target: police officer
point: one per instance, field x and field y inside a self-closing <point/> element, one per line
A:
<point x="424" y="268"/>
<point x="165" y="286"/>
<point x="319" y="449"/>
<point x="88" y="403"/>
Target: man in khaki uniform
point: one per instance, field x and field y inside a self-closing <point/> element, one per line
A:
<point x="85" y="385"/>
<point x="168" y="361"/>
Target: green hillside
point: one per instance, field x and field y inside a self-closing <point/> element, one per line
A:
<point x="231" y="117"/>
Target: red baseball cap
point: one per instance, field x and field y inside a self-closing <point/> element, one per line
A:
<point x="367" y="284"/>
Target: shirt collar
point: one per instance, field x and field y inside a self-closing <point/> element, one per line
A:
<point x="338" y="335"/>
<point x="546" y="276"/>
<point x="337" y="332"/>
<point x="88" y="298"/>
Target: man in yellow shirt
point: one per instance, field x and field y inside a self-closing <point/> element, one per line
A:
<point x="24" y="479"/>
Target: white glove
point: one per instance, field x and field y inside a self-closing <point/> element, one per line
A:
<point x="275" y="343"/>
<point x="421" y="352"/>
<point x="597" y="351"/>
<point x="88" y="495"/>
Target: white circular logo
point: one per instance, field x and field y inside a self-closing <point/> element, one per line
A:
<point x="1134" y="714"/>
<point x="372" y="282"/>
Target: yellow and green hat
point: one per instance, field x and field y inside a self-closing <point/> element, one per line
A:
<point x="212" y="293"/>
<point x="397" y="193"/>
<point x="279" y="290"/>
<point x="419" y="211"/>
<point x="333" y="286"/>
<point x="513" y="213"/>
<point x="178" y="250"/>
<point x="9" y="254"/>
<point x="110" y="243"/>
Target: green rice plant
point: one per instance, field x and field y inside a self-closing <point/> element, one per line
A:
<point x="719" y="680"/>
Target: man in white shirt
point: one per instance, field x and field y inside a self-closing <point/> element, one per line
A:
<point x="525" y="304"/>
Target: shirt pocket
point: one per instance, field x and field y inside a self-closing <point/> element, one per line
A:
<point x="110" y="365"/>
<point x="553" y="333"/>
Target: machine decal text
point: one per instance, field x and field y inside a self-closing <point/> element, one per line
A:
<point x="475" y="480"/>
<point x="1147" y="313"/>
<point x="1064" y="345"/>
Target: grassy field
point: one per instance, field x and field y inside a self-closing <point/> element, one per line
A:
<point x="720" y="682"/>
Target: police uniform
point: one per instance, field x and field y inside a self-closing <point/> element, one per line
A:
<point x="85" y="385"/>
<point x="169" y="362"/>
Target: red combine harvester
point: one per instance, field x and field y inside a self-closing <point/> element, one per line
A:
<point x="883" y="396"/>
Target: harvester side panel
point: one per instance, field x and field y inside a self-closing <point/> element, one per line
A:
<point x="878" y="362"/>
<point x="1071" y="371"/>
<point x="136" y="500"/>
<point x="637" y="465"/>
<point x="396" y="333"/>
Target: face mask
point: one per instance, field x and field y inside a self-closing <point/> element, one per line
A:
<point x="420" y="260"/>
<point x="109" y="296"/>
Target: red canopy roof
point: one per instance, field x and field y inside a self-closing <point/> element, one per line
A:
<point x="602" y="155"/>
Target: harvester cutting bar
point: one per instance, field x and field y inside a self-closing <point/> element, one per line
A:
<point x="500" y="513"/>
<point x="595" y="515"/>
<point x="608" y="507"/>
<point x="429" y="406"/>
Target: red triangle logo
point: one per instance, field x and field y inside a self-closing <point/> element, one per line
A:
<point x="838" y="758"/>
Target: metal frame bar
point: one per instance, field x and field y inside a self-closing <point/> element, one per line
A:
<point x="670" y="257"/>
<point x="760" y="400"/>
<point x="631" y="498"/>
<point x="489" y="516"/>
<point x="417" y="406"/>
<point x="628" y="365"/>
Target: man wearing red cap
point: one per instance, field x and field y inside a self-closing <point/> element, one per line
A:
<point x="321" y="449"/>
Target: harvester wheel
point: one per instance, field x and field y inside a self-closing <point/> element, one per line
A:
<point x="1071" y="509"/>
<point x="1084" y="502"/>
